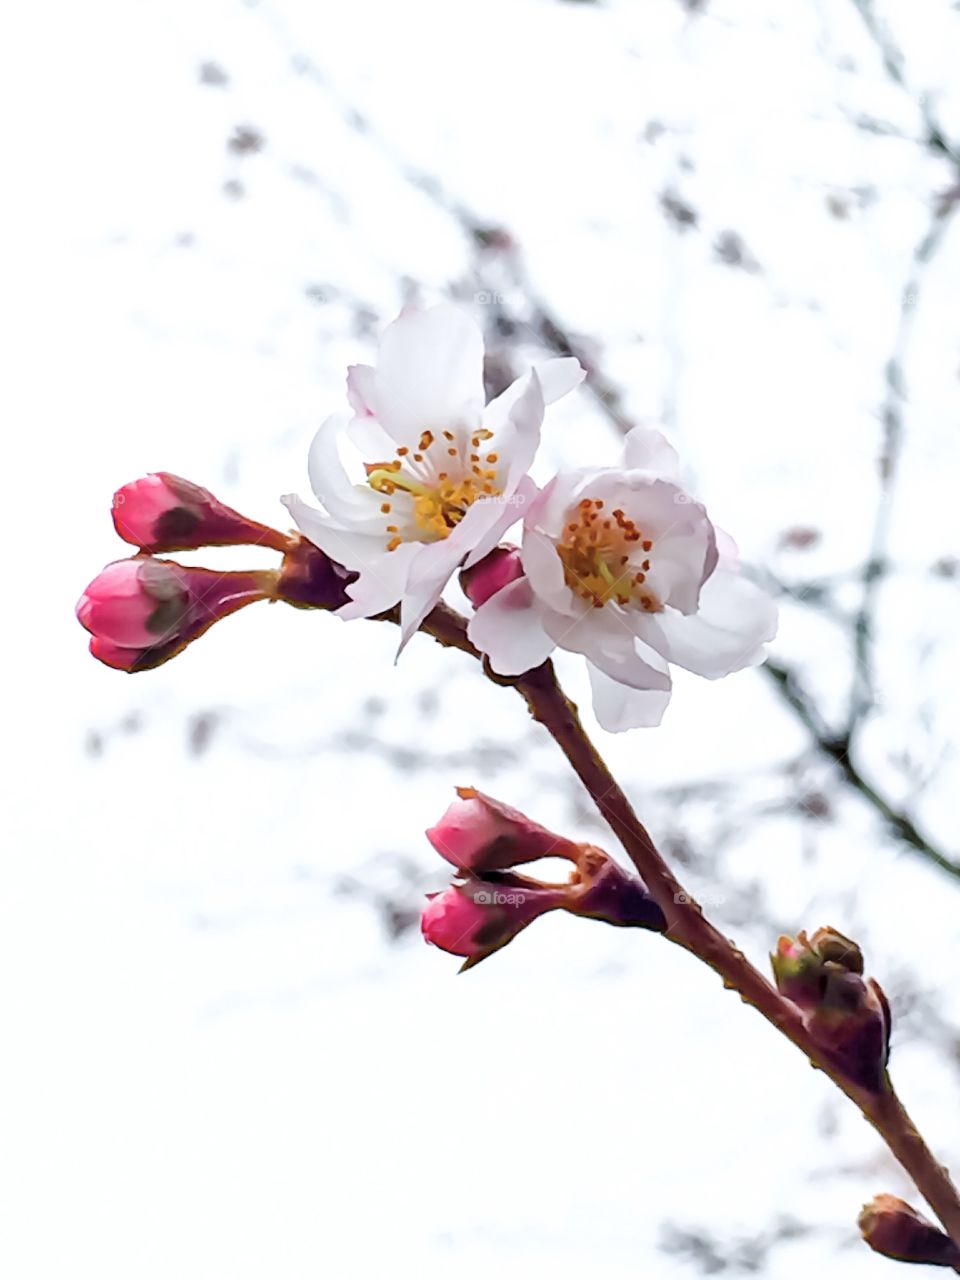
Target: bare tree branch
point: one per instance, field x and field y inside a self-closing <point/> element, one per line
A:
<point x="837" y="747"/>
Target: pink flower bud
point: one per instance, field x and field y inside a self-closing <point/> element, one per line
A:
<point x="490" y="575"/>
<point x="162" y="512"/>
<point x="142" y="611"/>
<point x="478" y="833"/>
<point x="478" y="917"/>
<point x="116" y="607"/>
<point x="834" y="948"/>
<point x="890" y="1227"/>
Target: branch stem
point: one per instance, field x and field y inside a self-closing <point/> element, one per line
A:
<point x="689" y="928"/>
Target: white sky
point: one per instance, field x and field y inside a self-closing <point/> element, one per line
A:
<point x="215" y="1067"/>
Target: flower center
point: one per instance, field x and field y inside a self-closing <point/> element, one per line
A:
<point x="441" y="498"/>
<point x="604" y="558"/>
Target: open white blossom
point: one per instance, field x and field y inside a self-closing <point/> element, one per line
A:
<point x="624" y="567"/>
<point x="445" y="477"/>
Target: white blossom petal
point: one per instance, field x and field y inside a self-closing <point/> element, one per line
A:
<point x="512" y="508"/>
<point x="518" y="438"/>
<point x="647" y="449"/>
<point x="438" y="561"/>
<point x="347" y="503"/>
<point x="348" y="547"/>
<point x="544" y="568"/>
<point x="429" y="373"/>
<point x="362" y="389"/>
<point x="549" y="514"/>
<point x="507" y="628"/>
<point x="381" y="584"/>
<point x="560" y="376"/>
<point x="619" y="708"/>
<point x="383" y="574"/>
<point x="604" y="637"/>
<point x="557" y="378"/>
<point x="369" y="439"/>
<point x="727" y="633"/>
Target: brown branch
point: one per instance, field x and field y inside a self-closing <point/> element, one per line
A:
<point x="545" y="326"/>
<point x="689" y="928"/>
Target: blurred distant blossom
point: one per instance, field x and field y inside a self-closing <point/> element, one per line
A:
<point x="445" y="476"/>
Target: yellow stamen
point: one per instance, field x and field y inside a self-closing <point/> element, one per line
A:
<point x="381" y="477"/>
<point x="595" y="553"/>
<point x="438" y="505"/>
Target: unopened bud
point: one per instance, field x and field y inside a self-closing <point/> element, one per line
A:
<point x="831" y="945"/>
<point x="892" y="1228"/>
<point x="798" y="971"/>
<point x="478" y="917"/>
<point x="846" y="1014"/>
<point x="478" y="833"/>
<point x="853" y="1022"/>
<point x="163" y="512"/>
<point x="142" y="611"/>
<point x="491" y="574"/>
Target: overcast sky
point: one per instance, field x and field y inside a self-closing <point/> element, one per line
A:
<point x="218" y="1065"/>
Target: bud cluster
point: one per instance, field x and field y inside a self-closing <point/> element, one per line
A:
<point x="846" y="1014"/>
<point x="490" y="902"/>
<point x="142" y="611"/>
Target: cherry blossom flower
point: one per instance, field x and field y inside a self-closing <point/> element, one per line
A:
<point x="445" y="476"/>
<point x="624" y="567"/>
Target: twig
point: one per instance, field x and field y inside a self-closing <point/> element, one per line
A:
<point x="875" y="567"/>
<point x="894" y="64"/>
<point x="838" y="748"/>
<point x="689" y="928"/>
<point x="544" y="325"/>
